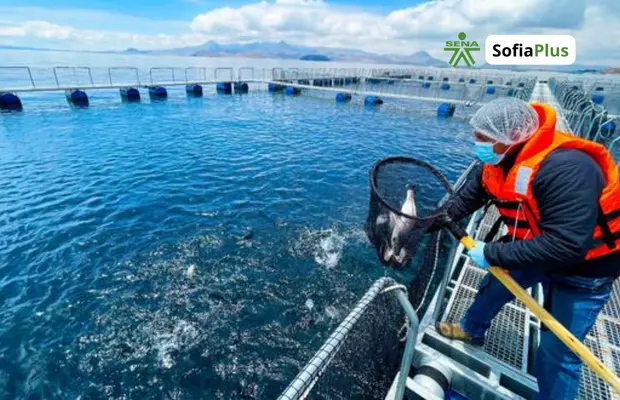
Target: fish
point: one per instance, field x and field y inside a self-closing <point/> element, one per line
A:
<point x="394" y="250"/>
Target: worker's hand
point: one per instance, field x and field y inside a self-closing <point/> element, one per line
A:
<point x="477" y="255"/>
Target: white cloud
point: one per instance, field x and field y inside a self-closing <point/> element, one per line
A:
<point x="319" y="23"/>
<point x="425" y="26"/>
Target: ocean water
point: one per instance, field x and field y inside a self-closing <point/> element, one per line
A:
<point x="191" y="248"/>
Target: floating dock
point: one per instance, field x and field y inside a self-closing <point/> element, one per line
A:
<point x="449" y="87"/>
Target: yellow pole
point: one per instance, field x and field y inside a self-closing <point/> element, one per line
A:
<point x="557" y="328"/>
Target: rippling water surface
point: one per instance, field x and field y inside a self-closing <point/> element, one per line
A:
<point x="189" y="248"/>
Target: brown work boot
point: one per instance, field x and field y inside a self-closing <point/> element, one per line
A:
<point x="454" y="331"/>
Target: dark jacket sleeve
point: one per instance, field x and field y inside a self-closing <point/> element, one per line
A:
<point x="567" y="189"/>
<point x="470" y="197"/>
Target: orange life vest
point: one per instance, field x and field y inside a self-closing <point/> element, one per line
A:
<point x="512" y="192"/>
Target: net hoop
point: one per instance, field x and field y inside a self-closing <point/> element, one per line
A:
<point x="407" y="160"/>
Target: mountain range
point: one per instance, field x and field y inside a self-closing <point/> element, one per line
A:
<point x="289" y="51"/>
<point x="284" y="50"/>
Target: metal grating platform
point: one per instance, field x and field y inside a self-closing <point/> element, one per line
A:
<point x="511" y="338"/>
<point x="542" y="93"/>
<point x="508" y="337"/>
<point x="591" y="386"/>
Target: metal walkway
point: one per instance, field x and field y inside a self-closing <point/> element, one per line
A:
<point x="542" y="94"/>
<point x="431" y="85"/>
<point x="355" y="90"/>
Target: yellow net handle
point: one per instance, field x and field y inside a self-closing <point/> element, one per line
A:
<point x="557" y="328"/>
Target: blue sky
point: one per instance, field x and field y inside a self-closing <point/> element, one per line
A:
<point x="182" y="9"/>
<point x="388" y="26"/>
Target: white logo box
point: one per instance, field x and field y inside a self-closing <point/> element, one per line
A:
<point x="551" y="44"/>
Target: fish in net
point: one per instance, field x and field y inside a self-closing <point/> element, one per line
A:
<point x="362" y="356"/>
<point x="405" y="194"/>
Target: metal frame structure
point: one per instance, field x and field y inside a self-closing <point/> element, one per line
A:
<point x="303" y="383"/>
<point x="132" y="69"/>
<point x="438" y="85"/>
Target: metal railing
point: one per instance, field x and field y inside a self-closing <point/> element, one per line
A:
<point x="307" y="378"/>
<point x="584" y="117"/>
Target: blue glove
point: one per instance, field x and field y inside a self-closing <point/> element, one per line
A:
<point x="477" y="255"/>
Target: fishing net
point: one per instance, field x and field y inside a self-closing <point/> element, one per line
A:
<point x="361" y="357"/>
<point x="405" y="198"/>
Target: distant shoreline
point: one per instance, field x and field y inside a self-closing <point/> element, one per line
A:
<point x="362" y="58"/>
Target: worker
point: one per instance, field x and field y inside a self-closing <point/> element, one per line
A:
<point x="559" y="197"/>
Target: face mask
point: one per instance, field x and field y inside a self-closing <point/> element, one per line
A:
<point x="485" y="153"/>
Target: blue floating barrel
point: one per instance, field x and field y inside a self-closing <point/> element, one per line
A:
<point x="77" y="97"/>
<point x="598" y="98"/>
<point x="293" y="91"/>
<point x="193" y="89"/>
<point x="445" y="86"/>
<point x="372" y="101"/>
<point x="472" y="81"/>
<point x="461" y="80"/>
<point x="224" y="87"/>
<point x="10" y="102"/>
<point x="446" y="110"/>
<point x="241" y="87"/>
<point x="453" y="395"/>
<point x="274" y="87"/>
<point x="490" y="89"/>
<point x="343" y="97"/>
<point x="158" y="93"/>
<point x="426" y="85"/>
<point x="130" y="95"/>
<point x="608" y="129"/>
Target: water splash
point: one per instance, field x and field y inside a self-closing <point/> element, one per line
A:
<point x="169" y="344"/>
<point x="325" y="246"/>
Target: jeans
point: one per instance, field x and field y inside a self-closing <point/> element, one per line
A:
<point x="573" y="300"/>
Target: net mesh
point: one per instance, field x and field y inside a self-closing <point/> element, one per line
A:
<point x="370" y="357"/>
<point x="361" y="357"/>
<point x="404" y="194"/>
<point x="507" y="120"/>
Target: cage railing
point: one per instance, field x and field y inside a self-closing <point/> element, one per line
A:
<point x="308" y="377"/>
<point x="584" y="117"/>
